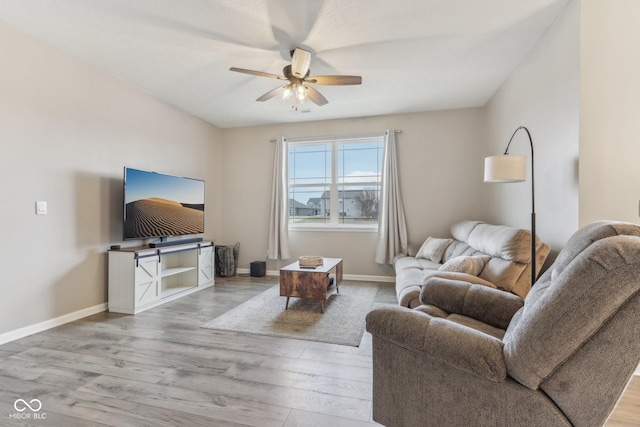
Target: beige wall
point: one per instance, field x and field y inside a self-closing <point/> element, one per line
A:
<point x="609" y="110"/>
<point x="440" y="155"/>
<point x="543" y="95"/>
<point x="67" y="131"/>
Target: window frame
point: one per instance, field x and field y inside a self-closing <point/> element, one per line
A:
<point x="334" y="183"/>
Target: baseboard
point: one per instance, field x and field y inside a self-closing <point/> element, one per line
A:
<point x="366" y="278"/>
<point x="361" y="277"/>
<point x="51" y="323"/>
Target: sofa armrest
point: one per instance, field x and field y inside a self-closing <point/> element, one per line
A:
<point x="447" y="342"/>
<point x="488" y="305"/>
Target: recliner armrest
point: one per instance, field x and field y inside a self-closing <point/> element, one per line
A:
<point x="454" y="275"/>
<point x="447" y="342"/>
<point x="488" y="305"/>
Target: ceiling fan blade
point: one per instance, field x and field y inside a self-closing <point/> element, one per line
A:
<point x="300" y="61"/>
<point x="316" y="96"/>
<point x="271" y="94"/>
<point x="257" y="73"/>
<point x="335" y="80"/>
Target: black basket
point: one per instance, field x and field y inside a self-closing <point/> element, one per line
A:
<point x="226" y="260"/>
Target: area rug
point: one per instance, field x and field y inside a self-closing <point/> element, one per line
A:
<point x="342" y="322"/>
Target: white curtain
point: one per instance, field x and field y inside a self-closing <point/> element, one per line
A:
<point x="392" y="234"/>
<point x="278" y="227"/>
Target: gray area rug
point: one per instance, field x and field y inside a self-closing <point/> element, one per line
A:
<point x="342" y="322"/>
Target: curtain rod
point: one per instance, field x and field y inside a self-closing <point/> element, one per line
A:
<point x="354" y="135"/>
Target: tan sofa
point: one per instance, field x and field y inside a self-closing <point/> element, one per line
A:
<point x="500" y="255"/>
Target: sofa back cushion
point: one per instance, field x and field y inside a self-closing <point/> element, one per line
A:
<point x="508" y="247"/>
<point x="458" y="248"/>
<point x="502" y="273"/>
<point x="499" y="241"/>
<point x="461" y="230"/>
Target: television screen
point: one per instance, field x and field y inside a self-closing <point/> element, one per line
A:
<point x="159" y="205"/>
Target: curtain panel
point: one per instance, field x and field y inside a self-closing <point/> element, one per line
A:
<point x="278" y="227"/>
<point x="392" y="231"/>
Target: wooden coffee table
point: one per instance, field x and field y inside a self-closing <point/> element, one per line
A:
<point x="312" y="283"/>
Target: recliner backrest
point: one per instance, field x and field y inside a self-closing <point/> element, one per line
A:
<point x="584" y="237"/>
<point x="596" y="274"/>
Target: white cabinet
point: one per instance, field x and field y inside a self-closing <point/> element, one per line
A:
<point x="147" y="280"/>
<point x="205" y="265"/>
<point x="142" y="278"/>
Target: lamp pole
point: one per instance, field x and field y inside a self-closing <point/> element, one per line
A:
<point x="533" y="204"/>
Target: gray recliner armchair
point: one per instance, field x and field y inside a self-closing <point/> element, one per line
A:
<point x="560" y="357"/>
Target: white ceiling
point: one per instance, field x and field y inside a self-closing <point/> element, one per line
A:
<point x="413" y="55"/>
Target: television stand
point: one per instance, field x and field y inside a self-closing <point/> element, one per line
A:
<point x="164" y="243"/>
<point x="142" y="278"/>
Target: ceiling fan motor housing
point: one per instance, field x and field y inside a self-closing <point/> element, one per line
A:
<point x="300" y="62"/>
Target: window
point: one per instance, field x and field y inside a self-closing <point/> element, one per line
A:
<point x="335" y="181"/>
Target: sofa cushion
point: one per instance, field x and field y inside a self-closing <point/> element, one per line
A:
<point x="458" y="248"/>
<point x="433" y="249"/>
<point x="510" y="244"/>
<point x="461" y="230"/>
<point x="403" y="263"/>
<point x="504" y="274"/>
<point x="466" y="264"/>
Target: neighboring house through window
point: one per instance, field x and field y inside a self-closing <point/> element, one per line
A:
<point x="334" y="181"/>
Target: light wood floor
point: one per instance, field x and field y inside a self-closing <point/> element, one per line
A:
<point x="159" y="368"/>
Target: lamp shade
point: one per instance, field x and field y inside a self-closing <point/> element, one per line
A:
<point x="505" y="168"/>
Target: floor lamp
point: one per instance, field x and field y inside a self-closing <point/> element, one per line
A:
<point x="513" y="168"/>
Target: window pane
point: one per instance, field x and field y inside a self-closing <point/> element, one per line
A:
<point x="309" y="205"/>
<point x="360" y="162"/>
<point x="358" y="204"/>
<point x="309" y="164"/>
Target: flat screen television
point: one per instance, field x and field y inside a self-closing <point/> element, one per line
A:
<point x="159" y="205"/>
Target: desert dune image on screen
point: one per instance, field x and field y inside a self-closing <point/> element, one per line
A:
<point x="162" y="205"/>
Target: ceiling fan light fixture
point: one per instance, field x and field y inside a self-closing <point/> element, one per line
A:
<point x="300" y="62"/>
<point x="301" y="93"/>
<point x="288" y="90"/>
<point x="297" y="94"/>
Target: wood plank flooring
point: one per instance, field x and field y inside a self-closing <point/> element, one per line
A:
<point x="159" y="368"/>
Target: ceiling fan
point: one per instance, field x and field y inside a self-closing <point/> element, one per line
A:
<point x="299" y="87"/>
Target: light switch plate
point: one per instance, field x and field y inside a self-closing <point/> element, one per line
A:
<point x="41" y="208"/>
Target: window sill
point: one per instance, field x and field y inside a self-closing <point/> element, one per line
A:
<point x="335" y="228"/>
